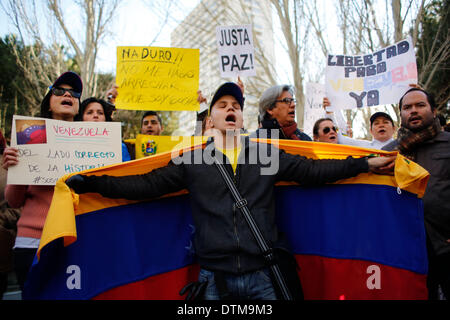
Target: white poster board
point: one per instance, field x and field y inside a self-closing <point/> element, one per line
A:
<point x="341" y="123"/>
<point x="236" y="51"/>
<point x="49" y="149"/>
<point x="315" y="92"/>
<point x="378" y="78"/>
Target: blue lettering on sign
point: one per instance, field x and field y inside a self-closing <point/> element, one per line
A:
<point x="378" y="81"/>
<point x="94" y="154"/>
<point x="70" y="167"/>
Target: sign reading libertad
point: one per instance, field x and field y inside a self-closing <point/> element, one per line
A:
<point x="378" y="78"/>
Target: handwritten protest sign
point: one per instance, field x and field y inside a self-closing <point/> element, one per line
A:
<point x="48" y="148"/>
<point x="153" y="78"/>
<point x="340" y="121"/>
<point x="373" y="79"/>
<point x="236" y="52"/>
<point x="315" y="92"/>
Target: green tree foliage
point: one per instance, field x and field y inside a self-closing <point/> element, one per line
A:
<point x="433" y="52"/>
<point x="11" y="84"/>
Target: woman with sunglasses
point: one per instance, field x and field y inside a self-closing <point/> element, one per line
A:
<point x="61" y="102"/>
<point x="324" y="130"/>
<point x="98" y="110"/>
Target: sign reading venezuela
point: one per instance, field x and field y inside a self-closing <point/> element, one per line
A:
<point x="49" y="149"/>
<point x="359" y="238"/>
<point x="154" y="78"/>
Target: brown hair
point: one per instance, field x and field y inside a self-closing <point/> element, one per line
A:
<point x="317" y="124"/>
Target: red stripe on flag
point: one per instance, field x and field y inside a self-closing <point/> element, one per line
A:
<point x="165" y="286"/>
<point x="322" y="279"/>
<point x="339" y="279"/>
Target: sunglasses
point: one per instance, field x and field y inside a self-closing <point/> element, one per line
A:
<point x="288" y="101"/>
<point x="57" y="91"/>
<point x="328" y="129"/>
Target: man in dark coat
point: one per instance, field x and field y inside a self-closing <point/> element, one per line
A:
<point x="421" y="139"/>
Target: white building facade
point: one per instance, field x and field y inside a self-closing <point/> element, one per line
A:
<point x="198" y="30"/>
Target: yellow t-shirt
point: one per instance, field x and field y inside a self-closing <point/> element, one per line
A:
<point x="232" y="155"/>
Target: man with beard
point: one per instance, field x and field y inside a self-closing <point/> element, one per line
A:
<point x="421" y="139"/>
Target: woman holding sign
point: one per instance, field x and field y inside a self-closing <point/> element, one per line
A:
<point x="61" y="102"/>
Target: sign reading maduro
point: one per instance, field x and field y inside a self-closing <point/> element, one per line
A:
<point x="49" y="148"/>
<point x="154" y="78"/>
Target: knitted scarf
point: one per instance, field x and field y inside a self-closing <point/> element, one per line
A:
<point x="408" y="141"/>
<point x="289" y="131"/>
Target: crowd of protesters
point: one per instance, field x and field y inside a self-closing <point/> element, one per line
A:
<point x="421" y="137"/>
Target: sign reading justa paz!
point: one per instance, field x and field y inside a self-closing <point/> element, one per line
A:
<point x="236" y="52"/>
<point x="153" y="78"/>
<point x="49" y="149"/>
<point x="373" y="79"/>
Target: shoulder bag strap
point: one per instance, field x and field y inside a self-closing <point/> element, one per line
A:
<point x="262" y="243"/>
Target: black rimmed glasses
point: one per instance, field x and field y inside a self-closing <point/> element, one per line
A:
<point x="288" y="101"/>
<point x="58" y="91"/>
<point x="326" y="130"/>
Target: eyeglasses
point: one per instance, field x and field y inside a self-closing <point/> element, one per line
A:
<point x="57" y="91"/>
<point x="288" y="101"/>
<point x="328" y="129"/>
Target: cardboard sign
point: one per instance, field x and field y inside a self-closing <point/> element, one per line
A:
<point x="315" y="92"/>
<point x="373" y="79"/>
<point x="236" y="51"/>
<point x="49" y="149"/>
<point x="340" y="121"/>
<point x="153" y="78"/>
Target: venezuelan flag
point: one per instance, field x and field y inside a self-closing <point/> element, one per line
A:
<point x="359" y="238"/>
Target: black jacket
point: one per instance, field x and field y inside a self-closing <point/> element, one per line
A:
<point x="434" y="156"/>
<point x="272" y="124"/>
<point x="223" y="240"/>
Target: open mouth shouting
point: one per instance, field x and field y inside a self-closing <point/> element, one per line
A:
<point x="231" y="119"/>
<point x="67" y="102"/>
